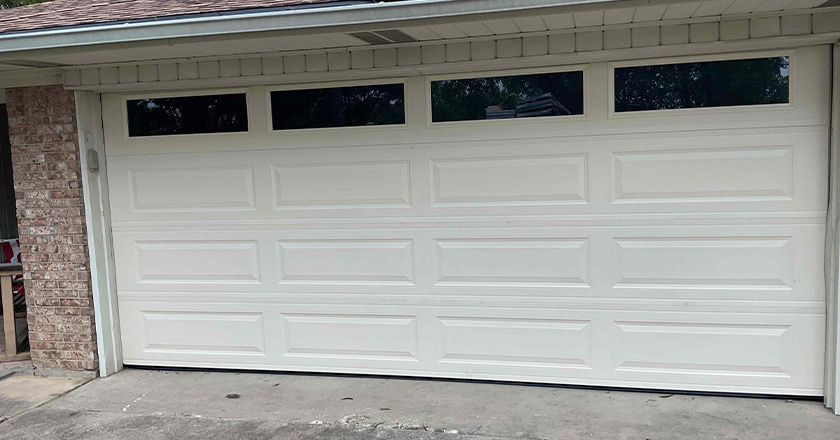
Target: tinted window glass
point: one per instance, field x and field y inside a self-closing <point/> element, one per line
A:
<point x="504" y="97"/>
<point x="338" y="107"/>
<point x="707" y="84"/>
<point x="188" y="115"/>
<point x="8" y="220"/>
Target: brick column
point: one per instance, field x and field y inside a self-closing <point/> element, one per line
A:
<point x="51" y="223"/>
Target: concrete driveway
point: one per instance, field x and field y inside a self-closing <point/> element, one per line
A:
<point x="150" y="405"/>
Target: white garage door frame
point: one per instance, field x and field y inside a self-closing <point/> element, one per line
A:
<point x="102" y="261"/>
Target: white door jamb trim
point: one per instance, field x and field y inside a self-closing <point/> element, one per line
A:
<point x="832" y="247"/>
<point x="98" y="220"/>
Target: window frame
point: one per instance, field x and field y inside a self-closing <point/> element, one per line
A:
<point x="584" y="68"/>
<point x="335" y="85"/>
<point x="790" y="105"/>
<point x="8" y="218"/>
<point x="186" y="94"/>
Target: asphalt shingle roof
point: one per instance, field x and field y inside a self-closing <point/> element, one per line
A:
<point x="62" y="13"/>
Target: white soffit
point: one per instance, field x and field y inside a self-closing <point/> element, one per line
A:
<point x="568" y="15"/>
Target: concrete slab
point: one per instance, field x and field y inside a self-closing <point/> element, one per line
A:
<point x="69" y="425"/>
<point x="21" y="392"/>
<point x="15" y="366"/>
<point x="159" y="404"/>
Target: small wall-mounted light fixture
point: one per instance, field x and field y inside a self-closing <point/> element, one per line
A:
<point x="92" y="161"/>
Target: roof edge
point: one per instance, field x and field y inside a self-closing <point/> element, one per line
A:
<point x="343" y="14"/>
<point x="165" y="18"/>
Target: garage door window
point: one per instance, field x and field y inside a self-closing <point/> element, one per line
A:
<point x="382" y="104"/>
<point x="226" y="113"/>
<point x="702" y="84"/>
<point x="508" y="97"/>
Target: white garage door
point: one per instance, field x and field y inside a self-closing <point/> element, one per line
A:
<point x="624" y="246"/>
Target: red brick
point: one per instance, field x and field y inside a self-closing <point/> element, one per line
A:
<point x="50" y="210"/>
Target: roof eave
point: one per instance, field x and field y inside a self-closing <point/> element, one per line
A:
<point x="286" y="19"/>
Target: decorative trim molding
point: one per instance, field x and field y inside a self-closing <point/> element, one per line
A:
<point x="568" y="46"/>
<point x="32" y="77"/>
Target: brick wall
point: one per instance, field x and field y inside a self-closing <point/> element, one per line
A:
<point x="51" y="222"/>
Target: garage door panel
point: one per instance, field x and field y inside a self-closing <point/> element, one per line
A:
<point x="183" y="187"/>
<point x="342" y="185"/>
<point x="658" y="249"/>
<point x="228" y="333"/>
<point x="261" y="185"/>
<point x="764" y="174"/>
<point x="207" y="262"/>
<point x="740" y="351"/>
<point x="195" y="333"/>
<point x="192" y="189"/>
<point x="197" y="261"/>
<point x="510" y="180"/>
<point x="780" y="172"/>
<point x="699" y="172"/>
<point x="665" y="262"/>
<point x="747" y="349"/>
<point x="496" y="343"/>
<point x="754" y="263"/>
<point x="343" y="261"/>
<point x="266" y="261"/>
<point x="759" y="262"/>
<point x="810" y="104"/>
<point x="548" y="261"/>
<point x="377" y="337"/>
<point x="701" y="348"/>
<point x="709" y="172"/>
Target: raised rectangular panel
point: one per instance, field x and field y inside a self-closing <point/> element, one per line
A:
<point x="223" y="333"/>
<point x="207" y="262"/>
<point x="556" y="343"/>
<point x="747" y="174"/>
<point x="753" y="263"/>
<point x="375" y="337"/>
<point x="510" y="180"/>
<point x="342" y="185"/>
<point x="532" y="261"/>
<point x="346" y="261"/>
<point x="701" y="348"/>
<point x="192" y="189"/>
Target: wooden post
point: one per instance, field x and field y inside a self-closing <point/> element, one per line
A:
<point x="7" y="300"/>
<point x="8" y="314"/>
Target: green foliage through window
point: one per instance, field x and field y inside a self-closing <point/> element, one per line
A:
<point x="702" y="84"/>
<point x="188" y="115"/>
<point x="503" y="97"/>
<point x="338" y="107"/>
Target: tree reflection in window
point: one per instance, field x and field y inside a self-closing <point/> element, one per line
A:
<point x="702" y="84"/>
<point x="338" y="107"/>
<point x="521" y="96"/>
<point x="187" y="115"/>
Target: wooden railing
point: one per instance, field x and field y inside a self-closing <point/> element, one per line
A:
<point x="9" y="315"/>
